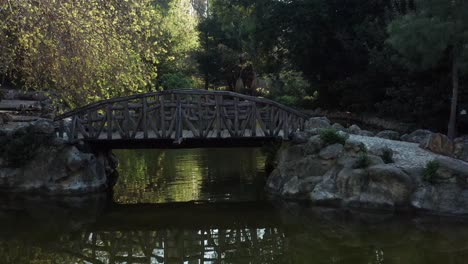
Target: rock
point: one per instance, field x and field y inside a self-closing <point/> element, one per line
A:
<point x="291" y="187"/>
<point x="355" y="147"/>
<point x="438" y="143"/>
<point x="5" y="118"/>
<point x="303" y="168"/>
<point x="417" y="136"/>
<point x="43" y="127"/>
<point x="54" y="166"/>
<point x="275" y="181"/>
<point x="461" y="148"/>
<point x="331" y="152"/>
<point x="384" y="152"/>
<point x="317" y="122"/>
<point x="299" y="138"/>
<point x="366" y="133"/>
<point x="388" y="134"/>
<point x="354" y="129"/>
<point x="452" y="170"/>
<point x="446" y="198"/>
<point x="314" y="145"/>
<point x="338" y="127"/>
<point x="399" y="184"/>
<point x="343" y="134"/>
<point x="325" y="192"/>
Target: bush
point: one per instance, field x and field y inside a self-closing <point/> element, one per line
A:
<point x="362" y="161"/>
<point x="331" y="136"/>
<point x="430" y="171"/>
<point x="176" y="81"/>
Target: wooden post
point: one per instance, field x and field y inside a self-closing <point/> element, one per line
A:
<point x="253" y="120"/>
<point x="178" y="122"/>
<point x="61" y="128"/>
<point x="162" y="116"/>
<point x="236" y="116"/>
<point x="109" y="121"/>
<point x="126" y="121"/>
<point x="217" y="129"/>
<point x="144" y="109"/>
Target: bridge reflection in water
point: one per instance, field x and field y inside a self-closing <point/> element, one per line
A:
<point x="230" y="234"/>
<point x="241" y="245"/>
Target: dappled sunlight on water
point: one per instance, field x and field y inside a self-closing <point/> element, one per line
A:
<point x="153" y="176"/>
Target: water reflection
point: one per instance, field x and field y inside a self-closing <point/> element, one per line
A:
<point x="240" y="227"/>
<point x="231" y="233"/>
<point x="155" y="176"/>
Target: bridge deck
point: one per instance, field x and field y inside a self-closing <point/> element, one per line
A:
<point x="181" y="115"/>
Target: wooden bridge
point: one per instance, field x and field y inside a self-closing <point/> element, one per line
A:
<point x="181" y="118"/>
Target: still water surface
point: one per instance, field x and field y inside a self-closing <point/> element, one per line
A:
<point x="208" y="206"/>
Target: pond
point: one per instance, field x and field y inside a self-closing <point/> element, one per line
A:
<point x="208" y="206"/>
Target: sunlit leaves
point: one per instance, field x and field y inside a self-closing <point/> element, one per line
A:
<point x="82" y="49"/>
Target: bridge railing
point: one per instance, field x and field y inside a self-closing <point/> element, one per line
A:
<point x="178" y="114"/>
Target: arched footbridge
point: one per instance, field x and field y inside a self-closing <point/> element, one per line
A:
<point x="181" y="118"/>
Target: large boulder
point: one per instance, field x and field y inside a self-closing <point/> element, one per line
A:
<point x="338" y="127"/>
<point x="317" y="123"/>
<point x="461" y="148"/>
<point x="331" y="152"/>
<point x="377" y="187"/>
<point x="34" y="160"/>
<point x="417" y="136"/>
<point x="438" y="143"/>
<point x="452" y="170"/>
<point x="447" y="198"/>
<point x="5" y="118"/>
<point x="354" y="129"/>
<point x="388" y="134"/>
<point x="43" y="126"/>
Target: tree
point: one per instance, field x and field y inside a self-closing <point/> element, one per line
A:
<point x="83" y="50"/>
<point x="436" y="32"/>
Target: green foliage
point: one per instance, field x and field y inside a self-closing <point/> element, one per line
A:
<point x="331" y="136"/>
<point x="288" y="87"/>
<point x="430" y="171"/>
<point x="387" y="156"/>
<point x="23" y="147"/>
<point x="362" y="161"/>
<point x="88" y="49"/>
<point x="176" y="81"/>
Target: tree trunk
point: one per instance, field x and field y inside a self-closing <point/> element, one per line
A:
<point x="453" y="108"/>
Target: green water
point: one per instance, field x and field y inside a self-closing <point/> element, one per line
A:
<point x="208" y="206"/>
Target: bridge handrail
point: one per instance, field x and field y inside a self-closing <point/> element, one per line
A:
<point x="98" y="104"/>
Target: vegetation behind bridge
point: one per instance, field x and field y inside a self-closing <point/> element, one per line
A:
<point x="399" y="59"/>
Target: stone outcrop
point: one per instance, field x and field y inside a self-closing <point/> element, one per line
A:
<point x="355" y="175"/>
<point x="438" y="143"/>
<point x="33" y="159"/>
<point x="388" y="134"/>
<point x="417" y="136"/>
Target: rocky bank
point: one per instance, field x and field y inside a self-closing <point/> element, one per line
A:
<point x="33" y="159"/>
<point x="369" y="172"/>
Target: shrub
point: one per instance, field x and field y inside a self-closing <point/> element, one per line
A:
<point x="176" y="81"/>
<point x="331" y="136"/>
<point x="430" y="171"/>
<point x="362" y="161"/>
<point x="387" y="156"/>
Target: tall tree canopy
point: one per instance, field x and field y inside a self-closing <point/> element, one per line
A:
<point x="435" y="33"/>
<point x="89" y="49"/>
